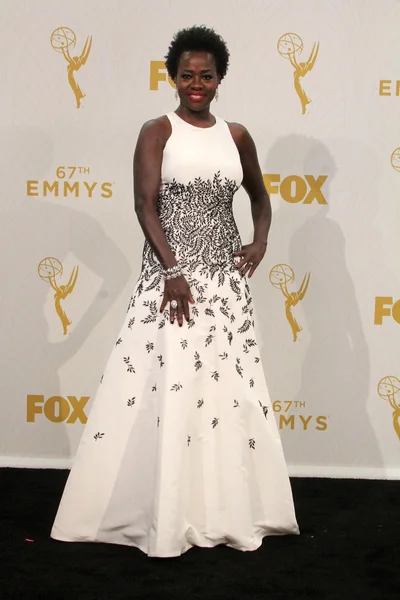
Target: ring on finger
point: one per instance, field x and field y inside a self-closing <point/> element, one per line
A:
<point x="174" y="304"/>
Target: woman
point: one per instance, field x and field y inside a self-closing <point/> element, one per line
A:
<point x="181" y="446"/>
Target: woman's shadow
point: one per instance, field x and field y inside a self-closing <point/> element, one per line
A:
<point x="329" y="364"/>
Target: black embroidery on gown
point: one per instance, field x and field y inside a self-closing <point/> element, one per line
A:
<point x="200" y="228"/>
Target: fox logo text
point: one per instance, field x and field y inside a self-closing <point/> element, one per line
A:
<point x="56" y="409"/>
<point x="385" y="307"/>
<point x="294" y="189"/>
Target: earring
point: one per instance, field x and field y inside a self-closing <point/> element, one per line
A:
<point x="216" y="95"/>
<point x="176" y="95"/>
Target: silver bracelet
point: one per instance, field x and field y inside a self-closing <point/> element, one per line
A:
<point x="171" y="269"/>
<point x="172" y="272"/>
<point x="173" y="275"/>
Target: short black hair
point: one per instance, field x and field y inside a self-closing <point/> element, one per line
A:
<point x="202" y="39"/>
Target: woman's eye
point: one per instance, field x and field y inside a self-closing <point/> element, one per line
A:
<point x="186" y="76"/>
<point x="208" y="77"/>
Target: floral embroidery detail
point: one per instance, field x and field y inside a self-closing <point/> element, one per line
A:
<point x="98" y="436"/>
<point x="236" y="403"/>
<point x="215" y="375"/>
<point x="252" y="443"/>
<point x="234" y="286"/>
<point x="176" y="387"/>
<point x="188" y="440"/>
<point x="245" y="327"/>
<point x="184" y="344"/>
<point x="198" y="364"/>
<point x="152" y="316"/>
<point x="149" y="346"/>
<point x="131" y="303"/>
<point x="131" y="368"/>
<point x="239" y="368"/>
<point x="200" y="403"/>
<point x="164" y="319"/>
<point x="214" y="422"/>
<point x="209" y="339"/>
<point x="230" y="335"/>
<point x="131" y="401"/>
<point x="264" y="409"/>
<point x="119" y="340"/>
<point x="208" y="234"/>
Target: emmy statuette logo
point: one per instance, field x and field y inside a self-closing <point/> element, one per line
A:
<point x="395" y="159"/>
<point x="290" y="45"/>
<point x="389" y="390"/>
<point x="280" y="277"/>
<point x="62" y="40"/>
<point x="49" y="270"/>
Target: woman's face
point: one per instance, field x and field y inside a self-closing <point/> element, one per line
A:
<point x="196" y="80"/>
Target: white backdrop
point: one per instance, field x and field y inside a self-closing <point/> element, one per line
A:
<point x="71" y="250"/>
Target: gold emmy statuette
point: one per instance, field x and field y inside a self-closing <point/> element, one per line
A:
<point x="289" y="45"/>
<point x="395" y="159"/>
<point x="62" y="40"/>
<point x="49" y="268"/>
<point x="389" y="389"/>
<point x="280" y="276"/>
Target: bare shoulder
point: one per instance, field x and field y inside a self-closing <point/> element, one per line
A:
<point x="241" y="136"/>
<point x="156" y="129"/>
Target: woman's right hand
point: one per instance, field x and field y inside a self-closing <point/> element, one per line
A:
<point x="177" y="289"/>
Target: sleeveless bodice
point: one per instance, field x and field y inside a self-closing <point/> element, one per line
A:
<point x="201" y="171"/>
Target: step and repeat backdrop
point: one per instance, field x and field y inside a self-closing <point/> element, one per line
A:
<point x="317" y="84"/>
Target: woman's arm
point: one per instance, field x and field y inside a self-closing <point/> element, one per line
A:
<point x="253" y="183"/>
<point x="147" y="163"/>
<point x="147" y="177"/>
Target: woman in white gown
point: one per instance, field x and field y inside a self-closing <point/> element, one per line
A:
<point x="181" y="447"/>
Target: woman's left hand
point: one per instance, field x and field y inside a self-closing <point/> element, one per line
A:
<point x="252" y="256"/>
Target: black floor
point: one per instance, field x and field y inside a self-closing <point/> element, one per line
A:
<point x="349" y="548"/>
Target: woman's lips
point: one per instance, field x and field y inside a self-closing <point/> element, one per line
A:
<point x="196" y="97"/>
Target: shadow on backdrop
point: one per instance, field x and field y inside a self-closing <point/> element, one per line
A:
<point x="331" y="374"/>
<point x="32" y="229"/>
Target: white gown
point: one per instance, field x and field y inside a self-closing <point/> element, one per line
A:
<point x="181" y="447"/>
